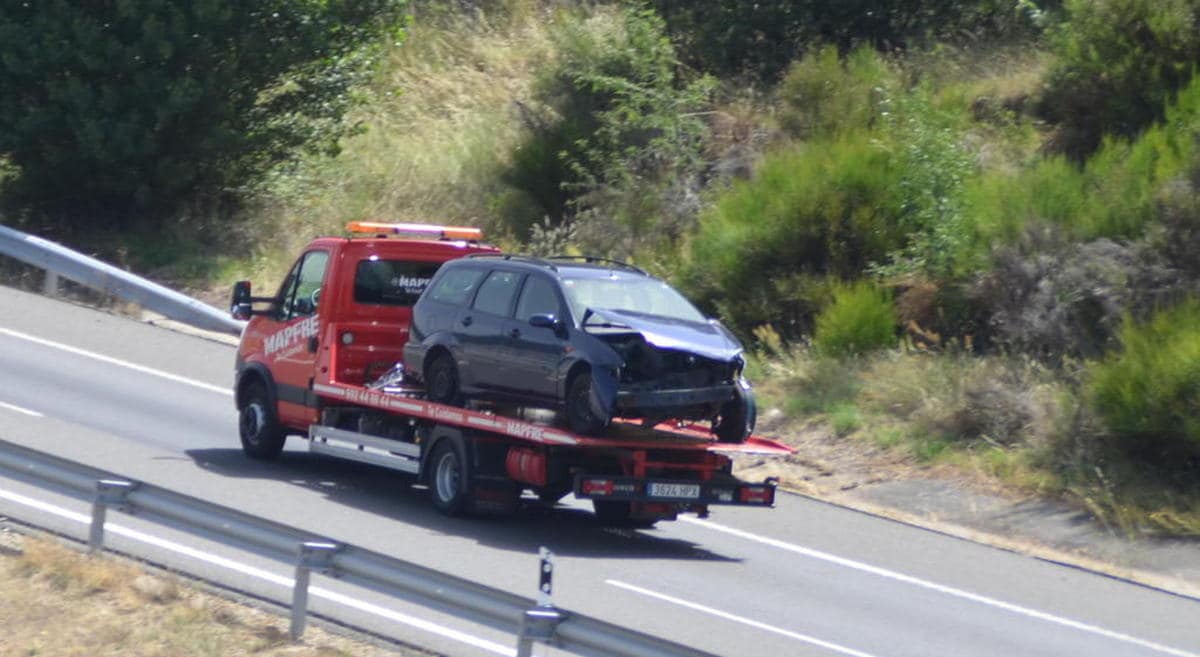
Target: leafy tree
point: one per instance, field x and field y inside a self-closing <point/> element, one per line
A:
<point x="759" y="39"/>
<point x="1119" y="62"/>
<point x="119" y="107"/>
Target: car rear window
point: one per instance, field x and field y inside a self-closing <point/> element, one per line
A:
<point x="456" y="285"/>
<point x="392" y="282"/>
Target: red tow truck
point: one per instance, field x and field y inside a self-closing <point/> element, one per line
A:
<point x="318" y="360"/>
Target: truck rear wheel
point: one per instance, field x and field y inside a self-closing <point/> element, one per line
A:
<point x="447" y="479"/>
<point x="258" y="426"/>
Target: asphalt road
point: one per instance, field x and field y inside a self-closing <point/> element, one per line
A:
<point x="805" y="578"/>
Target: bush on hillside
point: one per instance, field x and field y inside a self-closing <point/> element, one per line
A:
<point x="623" y="135"/>
<point x="860" y="320"/>
<point x="811" y="211"/>
<point x="824" y="94"/>
<point x="1053" y="298"/>
<point x="127" y="108"/>
<point x="760" y="39"/>
<point x="1119" y="64"/>
<point x="1148" y="393"/>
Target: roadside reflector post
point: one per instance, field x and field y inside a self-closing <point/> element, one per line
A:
<point x="50" y="285"/>
<point x="313" y="555"/>
<point x="109" y="492"/>
<point x="540" y="623"/>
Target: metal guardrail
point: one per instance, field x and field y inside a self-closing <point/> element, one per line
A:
<point x="58" y="260"/>
<point x="532" y="622"/>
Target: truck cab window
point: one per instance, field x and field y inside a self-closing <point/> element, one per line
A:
<point x="301" y="291"/>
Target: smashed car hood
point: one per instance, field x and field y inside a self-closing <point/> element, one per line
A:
<point x="706" y="339"/>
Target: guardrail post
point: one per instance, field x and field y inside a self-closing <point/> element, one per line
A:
<point x="314" y="555"/>
<point x="50" y="285"/>
<point x="109" y="492"/>
<point x="541" y="622"/>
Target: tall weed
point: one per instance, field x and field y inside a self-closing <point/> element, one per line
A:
<point x="861" y="319"/>
<point x="1147" y="393"/>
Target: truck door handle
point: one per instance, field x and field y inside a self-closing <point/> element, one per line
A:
<point x="515" y="333"/>
<point x="466" y="321"/>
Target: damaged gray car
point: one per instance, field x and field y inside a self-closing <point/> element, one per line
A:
<point x="592" y="338"/>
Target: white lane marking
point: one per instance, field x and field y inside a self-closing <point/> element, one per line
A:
<point x="116" y="361"/>
<point x="287" y="582"/>
<point x="18" y="409"/>
<point x="741" y="619"/>
<point x="941" y="588"/>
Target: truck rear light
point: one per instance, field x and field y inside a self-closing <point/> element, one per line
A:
<point x="757" y="494"/>
<point x="597" y="486"/>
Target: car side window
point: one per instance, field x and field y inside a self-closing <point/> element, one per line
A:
<point x="497" y="292"/>
<point x="301" y="291"/>
<point x="538" y="297"/>
<point x="456" y="286"/>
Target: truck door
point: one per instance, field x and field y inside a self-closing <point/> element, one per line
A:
<point x="290" y="346"/>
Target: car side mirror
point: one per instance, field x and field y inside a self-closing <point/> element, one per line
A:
<point x="239" y="306"/>
<point x="550" y="321"/>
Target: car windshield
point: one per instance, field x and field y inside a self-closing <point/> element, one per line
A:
<point x="637" y="295"/>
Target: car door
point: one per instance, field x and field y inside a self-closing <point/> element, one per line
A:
<point x="537" y="352"/>
<point x="484" y="331"/>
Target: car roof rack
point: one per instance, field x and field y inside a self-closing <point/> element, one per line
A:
<point x="384" y="229"/>
<point x="515" y="257"/>
<point x="599" y="261"/>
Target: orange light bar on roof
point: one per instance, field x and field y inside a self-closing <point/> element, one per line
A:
<point x="441" y="232"/>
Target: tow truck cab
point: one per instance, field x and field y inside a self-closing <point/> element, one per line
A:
<point x="345" y="305"/>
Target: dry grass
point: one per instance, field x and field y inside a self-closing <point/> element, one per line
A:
<point x="999" y="424"/>
<point x="55" y="601"/>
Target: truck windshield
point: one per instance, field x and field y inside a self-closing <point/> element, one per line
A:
<point x="392" y="282"/>
<point x="638" y="295"/>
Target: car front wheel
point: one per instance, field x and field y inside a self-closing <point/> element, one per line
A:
<point x="735" y="420"/>
<point x="581" y="418"/>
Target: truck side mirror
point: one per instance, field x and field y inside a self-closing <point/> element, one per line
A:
<point x="239" y="306"/>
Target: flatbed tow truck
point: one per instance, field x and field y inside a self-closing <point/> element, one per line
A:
<point x="319" y="359"/>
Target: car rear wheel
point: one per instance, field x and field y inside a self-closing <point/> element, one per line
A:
<point x="735" y="420"/>
<point x="441" y="380"/>
<point x="258" y="427"/>
<point x="581" y="418"/>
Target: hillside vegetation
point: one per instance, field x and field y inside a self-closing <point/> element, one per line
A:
<point x="962" y="230"/>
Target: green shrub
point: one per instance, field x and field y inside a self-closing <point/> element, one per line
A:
<point x="1119" y="63"/>
<point x="860" y="319"/>
<point x="1148" y="394"/>
<point x="1116" y="194"/>
<point x="115" y="109"/>
<point x="824" y="94"/>
<point x="812" y="211"/>
<point x="622" y="134"/>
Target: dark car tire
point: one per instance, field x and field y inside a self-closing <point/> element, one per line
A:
<point x="735" y="421"/>
<point x="441" y="380"/>
<point x="447" y="479"/>
<point x="258" y="425"/>
<point x="578" y="407"/>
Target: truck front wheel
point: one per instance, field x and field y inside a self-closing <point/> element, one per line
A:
<point x="258" y="426"/>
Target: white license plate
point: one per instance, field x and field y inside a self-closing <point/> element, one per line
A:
<point x="687" y="491"/>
